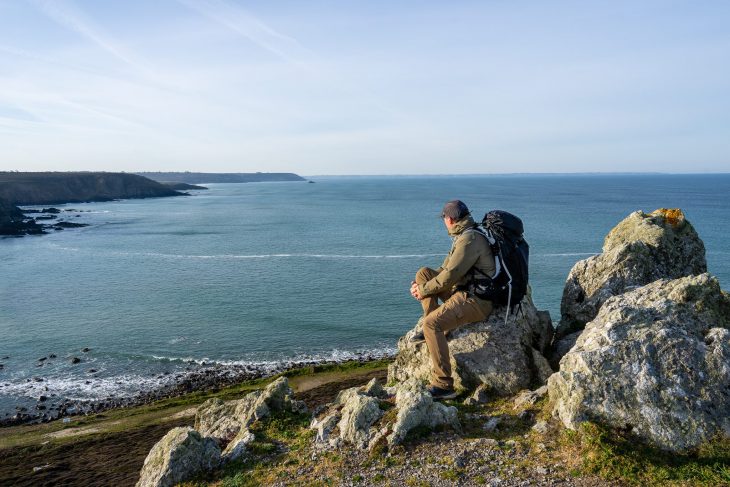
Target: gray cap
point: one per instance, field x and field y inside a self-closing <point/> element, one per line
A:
<point x="455" y="209"/>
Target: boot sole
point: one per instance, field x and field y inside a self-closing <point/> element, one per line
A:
<point x="451" y="395"/>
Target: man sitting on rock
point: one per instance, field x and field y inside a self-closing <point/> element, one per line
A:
<point x="469" y="250"/>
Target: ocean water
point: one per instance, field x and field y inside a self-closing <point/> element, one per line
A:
<point x="266" y="273"/>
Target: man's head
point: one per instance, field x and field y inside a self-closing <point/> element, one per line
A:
<point x="453" y="211"/>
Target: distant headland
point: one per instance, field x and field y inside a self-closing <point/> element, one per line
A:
<point x="49" y="188"/>
<point x="203" y="177"/>
<point x="53" y="188"/>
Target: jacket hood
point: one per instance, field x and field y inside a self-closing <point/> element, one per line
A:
<point x="461" y="225"/>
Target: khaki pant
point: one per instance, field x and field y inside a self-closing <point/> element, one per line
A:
<point x="457" y="309"/>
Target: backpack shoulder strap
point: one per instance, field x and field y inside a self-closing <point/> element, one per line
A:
<point x="492" y="242"/>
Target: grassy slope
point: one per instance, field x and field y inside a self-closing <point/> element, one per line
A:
<point x="282" y="454"/>
<point x="282" y="451"/>
<point x="109" y="448"/>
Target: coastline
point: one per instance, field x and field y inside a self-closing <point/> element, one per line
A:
<point x="202" y="377"/>
<point x="109" y="448"/>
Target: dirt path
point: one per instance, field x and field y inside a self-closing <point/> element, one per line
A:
<point x="101" y="458"/>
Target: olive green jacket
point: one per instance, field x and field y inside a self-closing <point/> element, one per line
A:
<point x="469" y="249"/>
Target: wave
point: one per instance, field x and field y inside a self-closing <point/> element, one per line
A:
<point x="312" y="256"/>
<point x="299" y="255"/>
<point x="85" y="388"/>
<point x="123" y="386"/>
<point x="258" y="256"/>
<point x="335" y="355"/>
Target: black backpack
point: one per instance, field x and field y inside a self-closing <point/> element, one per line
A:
<point x="511" y="252"/>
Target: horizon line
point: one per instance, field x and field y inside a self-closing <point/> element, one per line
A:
<point x="577" y="173"/>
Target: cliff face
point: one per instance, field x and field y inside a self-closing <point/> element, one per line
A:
<point x="239" y="177"/>
<point x="31" y="188"/>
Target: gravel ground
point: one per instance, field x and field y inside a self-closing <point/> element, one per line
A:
<point x="445" y="459"/>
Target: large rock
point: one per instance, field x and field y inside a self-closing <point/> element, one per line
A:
<point x="417" y="408"/>
<point x="224" y="420"/>
<point x="639" y="250"/>
<point x="216" y="419"/>
<point x="238" y="446"/>
<point x="178" y="456"/>
<point x="359" y="412"/>
<point x="363" y="417"/>
<point x="490" y="352"/>
<point x="655" y="361"/>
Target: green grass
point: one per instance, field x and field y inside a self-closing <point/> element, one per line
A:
<point x="339" y="367"/>
<point x="612" y="455"/>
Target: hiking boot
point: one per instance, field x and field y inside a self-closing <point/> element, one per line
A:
<point x="438" y="393"/>
<point x="418" y="338"/>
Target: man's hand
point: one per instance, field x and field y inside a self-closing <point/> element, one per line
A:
<point x="414" y="291"/>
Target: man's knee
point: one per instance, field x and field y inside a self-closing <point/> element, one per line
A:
<point x="430" y="326"/>
<point x="424" y="274"/>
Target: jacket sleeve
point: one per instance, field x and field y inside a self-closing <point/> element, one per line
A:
<point x="455" y="267"/>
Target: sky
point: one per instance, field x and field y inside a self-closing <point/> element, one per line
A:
<point x="365" y="87"/>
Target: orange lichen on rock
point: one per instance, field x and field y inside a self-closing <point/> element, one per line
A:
<point x="673" y="216"/>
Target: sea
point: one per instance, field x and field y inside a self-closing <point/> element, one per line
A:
<point x="270" y="275"/>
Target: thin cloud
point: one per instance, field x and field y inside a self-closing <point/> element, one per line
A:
<point x="285" y="47"/>
<point x="251" y="27"/>
<point x="65" y="13"/>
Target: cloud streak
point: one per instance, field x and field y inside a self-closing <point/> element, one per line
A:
<point x="254" y="29"/>
<point x="67" y="14"/>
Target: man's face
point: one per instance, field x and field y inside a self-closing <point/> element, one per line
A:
<point x="449" y="222"/>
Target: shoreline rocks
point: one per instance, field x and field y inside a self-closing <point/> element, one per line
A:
<point x="200" y="378"/>
<point x="14" y="223"/>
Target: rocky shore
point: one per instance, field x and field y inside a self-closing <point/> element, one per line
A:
<point x="195" y="378"/>
<point x="17" y="222"/>
<point x="13" y="222"/>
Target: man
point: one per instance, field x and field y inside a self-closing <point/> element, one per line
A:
<point x="469" y="250"/>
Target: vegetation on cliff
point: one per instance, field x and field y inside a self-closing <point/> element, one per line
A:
<point x="238" y="177"/>
<point x="43" y="188"/>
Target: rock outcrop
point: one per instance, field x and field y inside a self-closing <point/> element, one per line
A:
<point x="365" y="416"/>
<point x="14" y="222"/>
<point x="654" y="361"/>
<point x="186" y="452"/>
<point x="227" y="421"/>
<point x="179" y="455"/>
<point x="417" y="408"/>
<point x="505" y="357"/>
<point x="639" y="250"/>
